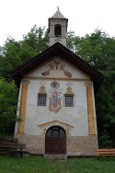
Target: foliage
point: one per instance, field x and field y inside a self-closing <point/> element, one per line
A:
<point x="8" y="102"/>
<point x="38" y="164"/>
<point x="98" y="49"/>
<point x="15" y="53"/>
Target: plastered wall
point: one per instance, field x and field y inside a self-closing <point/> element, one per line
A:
<point x="66" y="76"/>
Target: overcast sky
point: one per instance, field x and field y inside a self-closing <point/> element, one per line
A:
<point x="17" y="17"/>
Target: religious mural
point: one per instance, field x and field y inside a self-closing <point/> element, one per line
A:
<point x="56" y="64"/>
<point x="55" y="100"/>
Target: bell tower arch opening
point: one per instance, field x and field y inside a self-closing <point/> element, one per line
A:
<point x="57" y="30"/>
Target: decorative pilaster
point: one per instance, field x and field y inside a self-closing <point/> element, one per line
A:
<point x="91" y="119"/>
<point x="23" y="107"/>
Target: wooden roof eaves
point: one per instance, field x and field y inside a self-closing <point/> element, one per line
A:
<point x="58" y="49"/>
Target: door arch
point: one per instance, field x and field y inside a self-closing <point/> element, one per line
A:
<point x="55" y="140"/>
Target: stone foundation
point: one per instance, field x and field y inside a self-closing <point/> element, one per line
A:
<point x="75" y="145"/>
<point x="82" y="145"/>
<point x="34" y="144"/>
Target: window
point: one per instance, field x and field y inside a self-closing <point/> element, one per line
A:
<point x="48" y="134"/>
<point x="62" y="134"/>
<point x="68" y="100"/>
<point x="42" y="100"/>
<point x="57" y="30"/>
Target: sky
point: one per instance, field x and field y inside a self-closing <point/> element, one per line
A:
<point x="17" y="17"/>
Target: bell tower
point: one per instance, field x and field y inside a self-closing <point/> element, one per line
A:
<point x="57" y="28"/>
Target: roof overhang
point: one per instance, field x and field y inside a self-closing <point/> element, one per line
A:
<point x="58" y="50"/>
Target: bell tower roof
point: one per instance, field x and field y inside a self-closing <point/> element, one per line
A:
<point x="58" y="14"/>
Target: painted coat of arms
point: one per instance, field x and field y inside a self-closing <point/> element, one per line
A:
<point x="55" y="101"/>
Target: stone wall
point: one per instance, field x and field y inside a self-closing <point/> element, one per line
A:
<point x="34" y="144"/>
<point x="75" y="146"/>
<point x="82" y="145"/>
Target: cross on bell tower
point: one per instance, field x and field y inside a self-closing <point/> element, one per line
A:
<point x="57" y="28"/>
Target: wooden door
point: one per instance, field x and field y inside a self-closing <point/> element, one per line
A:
<point x="55" y="140"/>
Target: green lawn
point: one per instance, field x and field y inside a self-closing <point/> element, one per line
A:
<point x="36" y="164"/>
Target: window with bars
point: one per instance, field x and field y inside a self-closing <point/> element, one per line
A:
<point x="68" y="100"/>
<point x="42" y="100"/>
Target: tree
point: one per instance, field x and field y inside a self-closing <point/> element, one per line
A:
<point x="10" y="58"/>
<point x="8" y="106"/>
<point x="37" y="39"/>
<point x="15" y="53"/>
<point x="98" y="49"/>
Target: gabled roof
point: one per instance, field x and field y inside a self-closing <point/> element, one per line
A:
<point x="58" y="50"/>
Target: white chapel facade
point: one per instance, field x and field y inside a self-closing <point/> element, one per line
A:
<point x="56" y="99"/>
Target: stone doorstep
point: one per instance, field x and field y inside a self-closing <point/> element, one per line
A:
<point x="55" y="156"/>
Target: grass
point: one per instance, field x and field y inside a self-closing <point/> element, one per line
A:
<point x="37" y="164"/>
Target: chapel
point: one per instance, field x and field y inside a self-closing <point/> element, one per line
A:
<point x="56" y="99"/>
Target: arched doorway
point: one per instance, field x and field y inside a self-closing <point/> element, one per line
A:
<point x="55" y="140"/>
